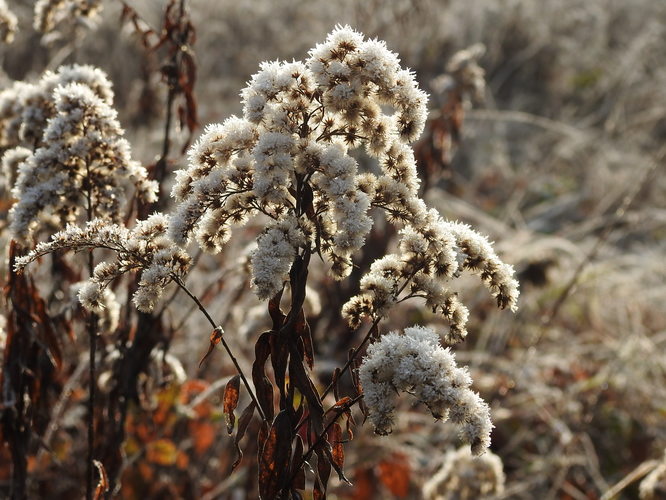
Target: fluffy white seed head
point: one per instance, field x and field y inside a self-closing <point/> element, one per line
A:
<point x="414" y="362"/>
<point x="83" y="156"/>
<point x="8" y="23"/>
<point x="466" y="477"/>
<point x="145" y="248"/>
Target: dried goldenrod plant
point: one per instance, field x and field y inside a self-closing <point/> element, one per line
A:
<point x="292" y="162"/>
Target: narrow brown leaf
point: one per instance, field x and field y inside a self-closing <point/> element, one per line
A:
<point x="303" y="329"/>
<point x="230" y="401"/>
<point x="334" y="382"/>
<point x="337" y="450"/>
<point x="215" y="338"/>
<point x="299" y="476"/>
<point x="50" y="338"/>
<point x="263" y="386"/>
<point x="275" y="312"/>
<point x="103" y="483"/>
<point x="275" y="457"/>
<point x="279" y="356"/>
<point x="322" y="474"/>
<point x="301" y="380"/>
<point x="243" y="423"/>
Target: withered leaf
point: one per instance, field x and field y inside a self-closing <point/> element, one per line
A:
<point x="299" y="476"/>
<point x="337" y="452"/>
<point x="215" y="338"/>
<point x="230" y="401"/>
<point x="395" y="474"/>
<point x="162" y="452"/>
<point x="303" y="330"/>
<point x="301" y="380"/>
<point x="322" y="473"/>
<point x="263" y="386"/>
<point x="279" y="356"/>
<point x="275" y="312"/>
<point x="334" y="383"/>
<point x="243" y="423"/>
<point x="275" y="458"/>
<point x="103" y="483"/>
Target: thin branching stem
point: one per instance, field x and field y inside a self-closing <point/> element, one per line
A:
<point x="322" y="436"/>
<point x="234" y="360"/>
<point x="367" y="336"/>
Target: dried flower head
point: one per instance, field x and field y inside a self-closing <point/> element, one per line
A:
<point x="102" y="301"/>
<point x="289" y="156"/>
<point x="145" y="248"/>
<point x="11" y="110"/>
<point x="8" y="23"/>
<point x="431" y="255"/>
<point x="84" y="165"/>
<point x="414" y="362"/>
<point x="49" y="13"/>
<point x="463" y="74"/>
<point x="464" y="477"/>
<point x="25" y="108"/>
<point x="10" y="164"/>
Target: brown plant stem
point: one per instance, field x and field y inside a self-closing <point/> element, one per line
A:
<point x="234" y="360"/>
<point x="91" y="326"/>
<point x="351" y="359"/>
<point x="367" y="336"/>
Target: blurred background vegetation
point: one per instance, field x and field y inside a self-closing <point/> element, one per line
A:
<point x="561" y="163"/>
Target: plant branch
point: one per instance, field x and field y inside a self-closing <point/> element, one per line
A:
<point x="203" y="310"/>
<point x="91" y="324"/>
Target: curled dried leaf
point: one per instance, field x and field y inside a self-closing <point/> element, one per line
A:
<point x="230" y="401"/>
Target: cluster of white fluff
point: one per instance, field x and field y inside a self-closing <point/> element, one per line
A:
<point x="465" y="477"/>
<point x="8" y="23"/>
<point x="49" y="13"/>
<point x="108" y="310"/>
<point x="145" y="248"/>
<point x="82" y="154"/>
<point x="653" y="486"/>
<point x="9" y="165"/>
<point x="414" y="362"/>
<point x="289" y="156"/>
<point x="276" y="250"/>
<point x="431" y="255"/>
<point x="25" y="107"/>
<point x="463" y="76"/>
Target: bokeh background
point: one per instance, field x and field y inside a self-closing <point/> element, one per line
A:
<point x="557" y="154"/>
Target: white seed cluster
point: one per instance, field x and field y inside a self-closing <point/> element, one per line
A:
<point x="82" y="164"/>
<point x="414" y="362"/>
<point x="26" y="107"/>
<point x="431" y="254"/>
<point x="465" y="477"/>
<point x="10" y="164"/>
<point x="107" y="306"/>
<point x="289" y="156"/>
<point x="8" y="23"/>
<point x="145" y="248"/>
<point x="276" y="249"/>
<point x="49" y="13"/>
